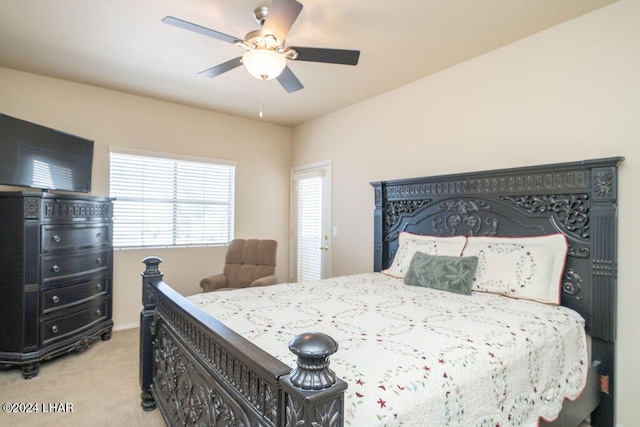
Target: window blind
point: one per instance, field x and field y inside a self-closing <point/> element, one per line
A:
<point x="309" y="230"/>
<point x="164" y="202"/>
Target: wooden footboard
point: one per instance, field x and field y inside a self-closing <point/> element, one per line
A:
<point x="199" y="372"/>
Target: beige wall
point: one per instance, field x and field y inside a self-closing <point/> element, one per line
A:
<point x="569" y="93"/>
<point x="118" y="119"/>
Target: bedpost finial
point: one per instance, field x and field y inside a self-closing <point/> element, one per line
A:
<point x="152" y="264"/>
<point x="313" y="350"/>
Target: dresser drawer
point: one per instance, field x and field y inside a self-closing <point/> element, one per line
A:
<point x="70" y="294"/>
<point x="55" y="328"/>
<point x="56" y="267"/>
<point x="59" y="238"/>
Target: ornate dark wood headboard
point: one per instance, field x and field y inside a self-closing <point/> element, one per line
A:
<point x="578" y="199"/>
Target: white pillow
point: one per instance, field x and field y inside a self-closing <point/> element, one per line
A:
<point x="524" y="267"/>
<point x="408" y="244"/>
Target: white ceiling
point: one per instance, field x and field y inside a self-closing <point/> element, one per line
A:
<point x="122" y="45"/>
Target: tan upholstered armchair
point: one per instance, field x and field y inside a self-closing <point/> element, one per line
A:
<point x="248" y="263"/>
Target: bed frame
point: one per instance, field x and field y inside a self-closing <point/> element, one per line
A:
<point x="198" y="371"/>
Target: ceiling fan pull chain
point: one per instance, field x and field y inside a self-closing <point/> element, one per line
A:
<point x="263" y="99"/>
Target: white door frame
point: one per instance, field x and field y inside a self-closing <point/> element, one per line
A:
<point x="323" y="169"/>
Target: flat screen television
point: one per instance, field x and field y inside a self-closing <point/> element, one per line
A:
<point x="39" y="157"/>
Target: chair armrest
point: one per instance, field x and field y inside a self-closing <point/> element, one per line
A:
<point x="214" y="282"/>
<point x="265" y="281"/>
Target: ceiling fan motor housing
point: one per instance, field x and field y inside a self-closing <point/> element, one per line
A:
<point x="259" y="40"/>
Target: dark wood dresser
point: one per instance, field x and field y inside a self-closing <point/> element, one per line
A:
<point x="56" y="271"/>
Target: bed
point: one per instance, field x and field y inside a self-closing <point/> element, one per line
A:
<point x="199" y="370"/>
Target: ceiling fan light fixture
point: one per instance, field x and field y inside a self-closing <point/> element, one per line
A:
<point x="264" y="64"/>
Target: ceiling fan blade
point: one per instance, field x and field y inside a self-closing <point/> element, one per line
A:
<point x="282" y="14"/>
<point x="332" y="56"/>
<point x="289" y="81"/>
<point x="199" y="29"/>
<point x="222" y="68"/>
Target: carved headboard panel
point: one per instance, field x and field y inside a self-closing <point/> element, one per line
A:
<point x="578" y="199"/>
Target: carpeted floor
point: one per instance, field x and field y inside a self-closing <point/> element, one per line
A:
<point x="100" y="384"/>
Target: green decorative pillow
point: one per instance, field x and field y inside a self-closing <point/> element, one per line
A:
<point x="447" y="273"/>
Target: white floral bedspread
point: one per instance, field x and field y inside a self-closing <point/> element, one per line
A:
<point x="414" y="356"/>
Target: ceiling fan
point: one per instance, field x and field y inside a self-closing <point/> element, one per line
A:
<point x="266" y="53"/>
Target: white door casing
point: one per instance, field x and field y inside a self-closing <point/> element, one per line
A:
<point x="310" y="253"/>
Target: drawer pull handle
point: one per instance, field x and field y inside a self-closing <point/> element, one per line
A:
<point x="99" y="260"/>
<point x="55" y="299"/>
<point x="54" y="329"/>
<point x="98" y="313"/>
<point x="55" y="268"/>
<point x="56" y="238"/>
<point x="99" y="286"/>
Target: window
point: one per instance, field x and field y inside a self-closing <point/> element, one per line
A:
<point x="308" y="201"/>
<point x="164" y="201"/>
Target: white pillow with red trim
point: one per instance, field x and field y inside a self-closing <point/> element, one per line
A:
<point x="409" y="243"/>
<point x="519" y="267"/>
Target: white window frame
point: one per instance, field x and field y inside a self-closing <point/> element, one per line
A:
<point x="162" y="215"/>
